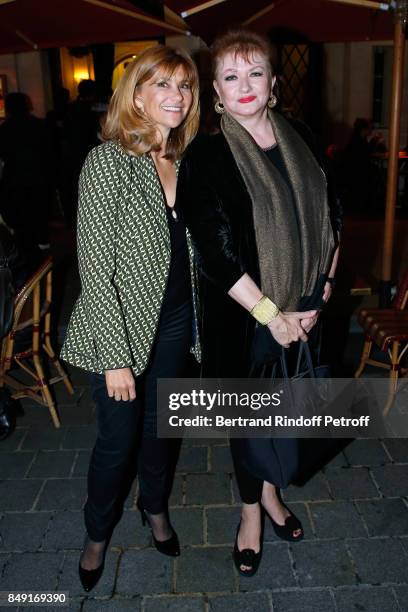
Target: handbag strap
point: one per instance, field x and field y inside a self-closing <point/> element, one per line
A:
<point x="304" y="349"/>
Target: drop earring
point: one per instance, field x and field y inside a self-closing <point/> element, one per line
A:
<point x="219" y="107"/>
<point x="273" y="100"/>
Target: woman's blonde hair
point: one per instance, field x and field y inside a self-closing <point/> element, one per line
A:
<point x="133" y="128"/>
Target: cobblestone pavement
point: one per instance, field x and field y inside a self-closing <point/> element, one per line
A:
<point x="355" y="513"/>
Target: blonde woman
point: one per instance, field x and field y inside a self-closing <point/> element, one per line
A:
<point x="132" y="322"/>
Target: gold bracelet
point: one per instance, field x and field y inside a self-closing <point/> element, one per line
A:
<point x="265" y="310"/>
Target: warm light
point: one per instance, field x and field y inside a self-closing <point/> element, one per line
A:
<point x="81" y="75"/>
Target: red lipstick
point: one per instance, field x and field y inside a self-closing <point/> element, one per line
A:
<point x="247" y="99"/>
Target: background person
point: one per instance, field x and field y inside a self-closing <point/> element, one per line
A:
<point x="27" y="186"/>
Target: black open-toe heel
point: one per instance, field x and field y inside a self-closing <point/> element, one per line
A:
<point x="246" y="557"/>
<point x="286" y="531"/>
<point x="169" y="547"/>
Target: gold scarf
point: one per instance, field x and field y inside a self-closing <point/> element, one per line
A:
<point x="294" y="236"/>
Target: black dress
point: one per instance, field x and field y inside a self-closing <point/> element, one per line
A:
<point x="218" y="212"/>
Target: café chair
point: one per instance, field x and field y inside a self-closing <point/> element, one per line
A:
<point x="387" y="329"/>
<point x="31" y="328"/>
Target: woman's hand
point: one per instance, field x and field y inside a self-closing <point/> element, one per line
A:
<point x="120" y="384"/>
<point x="310" y="322"/>
<point x="287" y="326"/>
<point x="327" y="291"/>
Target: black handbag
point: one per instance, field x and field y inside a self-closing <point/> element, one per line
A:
<point x="282" y="461"/>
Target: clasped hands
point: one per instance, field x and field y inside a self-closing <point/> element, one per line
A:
<point x="290" y="327"/>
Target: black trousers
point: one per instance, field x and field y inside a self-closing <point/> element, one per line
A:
<point x="249" y="486"/>
<point x="120" y="423"/>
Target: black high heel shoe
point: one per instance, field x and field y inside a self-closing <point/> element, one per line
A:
<point x="286" y="531"/>
<point x="90" y="578"/>
<point x="169" y="547"/>
<point x="247" y="556"/>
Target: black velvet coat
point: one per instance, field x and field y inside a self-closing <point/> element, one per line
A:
<point x="217" y="209"/>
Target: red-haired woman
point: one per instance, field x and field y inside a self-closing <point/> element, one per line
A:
<point x="255" y="200"/>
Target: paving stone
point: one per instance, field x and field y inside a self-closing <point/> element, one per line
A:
<point x="130" y="501"/>
<point x="241" y="602"/>
<point x="315" y="489"/>
<point x="304" y="600"/>
<point x="380" y="560"/>
<point x="69" y="580"/>
<point x="192" y="459"/>
<point x="176" y="496"/>
<point x="401" y="593"/>
<point x="52" y="464"/>
<point x="205" y="569"/>
<point x="80" y="437"/>
<point x="64" y="398"/>
<point x="222" y="524"/>
<point x="23" y="531"/>
<point x="32" y="571"/>
<point x="366" y="452"/>
<point x="35" y="414"/>
<point x="82" y="464"/>
<point x="236" y="498"/>
<point x="188" y="523"/>
<point x="63" y="494"/>
<point x="173" y="604"/>
<point x="221" y="460"/>
<point x="392" y="480"/>
<point x="219" y="440"/>
<point x="352" y="483"/>
<point x="78" y="414"/>
<point x="275" y="570"/>
<point x="374" y="599"/>
<point x="112" y="605"/>
<point x="74" y="606"/>
<point x="338" y="461"/>
<point x="398" y="449"/>
<point x="130" y="531"/>
<point x="337" y="519"/>
<point x="19" y="494"/>
<point x="65" y="531"/>
<point x="323" y="564"/>
<point x="4" y="559"/>
<point x="13" y="442"/>
<point x="385" y="516"/>
<point x="208" y="489"/>
<point x="15" y="465"/>
<point x="44" y="439"/>
<point x="144" y="572"/>
<point x="300" y="510"/>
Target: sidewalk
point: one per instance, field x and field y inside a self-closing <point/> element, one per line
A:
<point x="354" y="556"/>
<point x="355" y="515"/>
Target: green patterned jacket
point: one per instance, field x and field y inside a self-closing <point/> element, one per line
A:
<point x="124" y="257"/>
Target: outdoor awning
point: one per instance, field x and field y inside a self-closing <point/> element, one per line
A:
<point x="318" y="20"/>
<point x="32" y="24"/>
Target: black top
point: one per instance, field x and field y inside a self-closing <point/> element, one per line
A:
<point x="275" y="156"/>
<point x="178" y="289"/>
